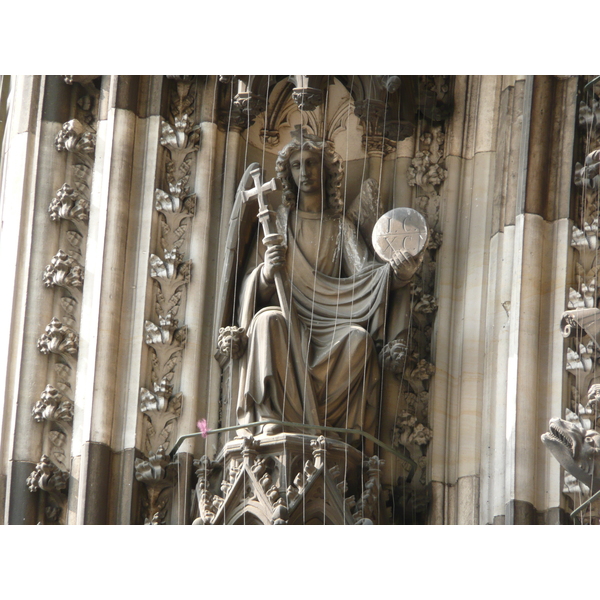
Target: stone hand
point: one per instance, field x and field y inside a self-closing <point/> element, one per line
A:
<point x="274" y="261"/>
<point x="404" y="264"/>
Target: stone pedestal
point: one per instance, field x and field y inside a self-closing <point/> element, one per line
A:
<point x="288" y="479"/>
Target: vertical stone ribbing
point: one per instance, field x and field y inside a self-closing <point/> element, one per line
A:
<point x="18" y="204"/>
<point x="102" y="299"/>
<point x="137" y="295"/>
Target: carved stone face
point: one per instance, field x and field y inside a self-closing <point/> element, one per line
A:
<point x="306" y="169"/>
<point x="576" y="449"/>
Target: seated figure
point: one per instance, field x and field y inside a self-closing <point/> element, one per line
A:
<point x="339" y="291"/>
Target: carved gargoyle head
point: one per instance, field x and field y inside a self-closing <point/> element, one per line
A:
<point x="576" y="449"/>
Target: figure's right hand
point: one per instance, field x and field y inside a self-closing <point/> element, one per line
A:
<point x="274" y="261"/>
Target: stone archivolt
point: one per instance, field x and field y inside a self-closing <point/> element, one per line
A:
<point x="70" y="210"/>
<point x="161" y="407"/>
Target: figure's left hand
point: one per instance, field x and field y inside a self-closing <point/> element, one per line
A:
<point x="404" y="264"/>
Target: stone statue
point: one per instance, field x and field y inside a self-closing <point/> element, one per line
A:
<point x="314" y="361"/>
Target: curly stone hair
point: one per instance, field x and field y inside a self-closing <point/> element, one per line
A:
<point x="332" y="163"/>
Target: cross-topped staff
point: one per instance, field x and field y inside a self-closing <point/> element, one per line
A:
<point x="284" y="292"/>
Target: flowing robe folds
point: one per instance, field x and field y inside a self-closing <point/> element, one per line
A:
<point x="339" y="292"/>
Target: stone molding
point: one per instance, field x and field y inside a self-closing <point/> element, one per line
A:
<point x="64" y="276"/>
<point x="170" y="273"/>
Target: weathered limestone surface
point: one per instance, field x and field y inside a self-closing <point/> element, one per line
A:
<point x="473" y="360"/>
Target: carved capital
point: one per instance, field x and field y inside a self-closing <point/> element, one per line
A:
<point x="250" y="104"/>
<point x="307" y="98"/>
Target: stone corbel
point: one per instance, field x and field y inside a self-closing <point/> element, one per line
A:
<point x="377" y="107"/>
<point x="245" y="100"/>
<point x="231" y="343"/>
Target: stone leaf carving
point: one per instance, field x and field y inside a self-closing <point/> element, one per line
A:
<point x="181" y="138"/>
<point x="409" y="431"/>
<point x="588" y="176"/>
<point x="71" y="205"/>
<point x="425" y="174"/>
<point x="53" y="406"/>
<point x="63" y="271"/>
<point x="583" y="360"/>
<point x="589" y="116"/>
<point x="586" y="239"/>
<point x="175" y="207"/>
<point x="161" y="408"/>
<point x="73" y="137"/>
<point x="170" y="273"/>
<point x="425" y="304"/>
<point x="47" y="477"/>
<point x="156" y="473"/>
<point x="167" y="341"/>
<point x="59" y="339"/>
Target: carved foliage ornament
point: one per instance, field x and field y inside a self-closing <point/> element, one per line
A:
<point x="69" y="209"/>
<point x="175" y="204"/>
